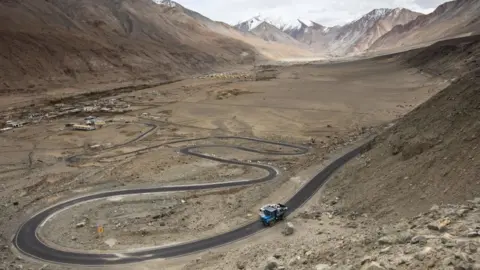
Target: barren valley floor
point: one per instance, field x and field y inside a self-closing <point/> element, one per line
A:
<point x="325" y="107"/>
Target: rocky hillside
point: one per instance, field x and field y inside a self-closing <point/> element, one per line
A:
<point x="444" y="237"/>
<point x="359" y="34"/>
<point x="398" y="16"/>
<point x="57" y="41"/>
<point x="431" y="155"/>
<point x="452" y="19"/>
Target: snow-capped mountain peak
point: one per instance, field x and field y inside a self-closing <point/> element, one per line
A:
<point x="297" y="24"/>
<point x="168" y="3"/>
<point x="279" y="23"/>
<point x="378" y="13"/>
<point x="371" y="17"/>
<point x="352" y="37"/>
<point x="251" y="24"/>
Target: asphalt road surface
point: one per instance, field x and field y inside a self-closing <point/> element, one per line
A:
<point x="27" y="242"/>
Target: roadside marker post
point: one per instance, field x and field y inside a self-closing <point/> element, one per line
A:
<point x="100" y="230"/>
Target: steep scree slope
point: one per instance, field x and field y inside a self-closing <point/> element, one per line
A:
<point x="398" y="16"/>
<point x="449" y="20"/>
<point x="359" y="34"/>
<point x="431" y="156"/>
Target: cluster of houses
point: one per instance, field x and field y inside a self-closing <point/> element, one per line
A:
<point x="10" y="124"/>
<point x="226" y="75"/>
<point x="108" y="105"/>
<point x="91" y="123"/>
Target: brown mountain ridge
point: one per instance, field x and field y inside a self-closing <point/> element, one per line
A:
<point x="68" y="40"/>
<point x="449" y="20"/>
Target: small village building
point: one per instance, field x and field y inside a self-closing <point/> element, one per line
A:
<point x="83" y="127"/>
<point x="99" y="122"/>
<point x="89" y="108"/>
<point x="14" y="124"/>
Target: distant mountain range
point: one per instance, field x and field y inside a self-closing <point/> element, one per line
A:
<point x="73" y="40"/>
<point x="376" y="30"/>
<point x="379" y="29"/>
<point x="252" y="23"/>
<point x="339" y="40"/>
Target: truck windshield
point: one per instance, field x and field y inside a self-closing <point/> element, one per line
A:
<point x="268" y="213"/>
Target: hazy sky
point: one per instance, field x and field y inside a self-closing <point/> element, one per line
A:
<point x="326" y="12"/>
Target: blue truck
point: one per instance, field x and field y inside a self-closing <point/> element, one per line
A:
<point x="271" y="213"/>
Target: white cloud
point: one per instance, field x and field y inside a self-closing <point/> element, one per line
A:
<point x="326" y="12"/>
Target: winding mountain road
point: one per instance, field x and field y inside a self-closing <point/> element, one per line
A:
<point x="27" y="242"/>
